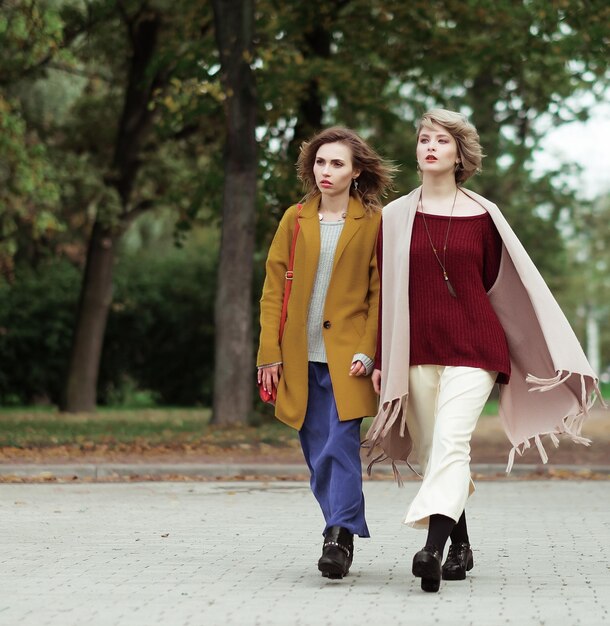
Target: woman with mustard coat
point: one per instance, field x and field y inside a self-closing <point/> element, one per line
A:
<point x="321" y="368"/>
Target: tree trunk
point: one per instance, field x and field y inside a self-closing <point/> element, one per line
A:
<point x="482" y="98"/>
<point x="234" y="362"/>
<point x="593" y="340"/>
<point x="96" y="290"/>
<point x="95" y="299"/>
<point x="316" y="44"/>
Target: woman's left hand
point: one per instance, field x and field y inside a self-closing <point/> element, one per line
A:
<point x="357" y="369"/>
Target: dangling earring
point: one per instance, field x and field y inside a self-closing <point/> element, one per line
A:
<point x="458" y="167"/>
<point x="355" y="183"/>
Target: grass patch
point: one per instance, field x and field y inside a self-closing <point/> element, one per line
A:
<point x="490" y="408"/>
<point x="23" y="428"/>
<point x="40" y="427"/>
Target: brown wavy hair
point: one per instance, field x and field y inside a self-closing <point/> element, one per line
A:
<point x="465" y="135"/>
<point x="376" y="174"/>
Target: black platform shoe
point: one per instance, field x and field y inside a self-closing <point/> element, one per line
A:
<point x="458" y="562"/>
<point x="427" y="566"/>
<point x="337" y="552"/>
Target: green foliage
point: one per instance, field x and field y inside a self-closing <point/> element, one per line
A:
<point x="74" y="96"/>
<point x="30" y="32"/>
<point x="36" y="318"/>
<point x="29" y="192"/>
<point x="160" y="332"/>
<point x="375" y="65"/>
<point x="588" y="275"/>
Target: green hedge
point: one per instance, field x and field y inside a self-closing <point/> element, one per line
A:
<point x="160" y="332"/>
<point x="36" y="318"/>
<point x="159" y="338"/>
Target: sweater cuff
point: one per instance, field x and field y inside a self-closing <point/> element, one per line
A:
<point x="366" y="361"/>
<point x="260" y="367"/>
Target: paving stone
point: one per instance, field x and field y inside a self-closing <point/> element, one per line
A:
<point x="244" y="554"/>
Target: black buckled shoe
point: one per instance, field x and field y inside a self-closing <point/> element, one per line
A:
<point x="459" y="561"/>
<point x="337" y="552"/>
<point x="427" y="566"/>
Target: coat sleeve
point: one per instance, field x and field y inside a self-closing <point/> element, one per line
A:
<point x="269" y="350"/>
<point x="368" y="343"/>
<point x="380" y="308"/>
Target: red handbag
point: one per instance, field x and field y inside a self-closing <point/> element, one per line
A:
<point x="269" y="395"/>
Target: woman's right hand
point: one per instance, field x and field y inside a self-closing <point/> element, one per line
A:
<point x="270" y="376"/>
<point x="376" y="378"/>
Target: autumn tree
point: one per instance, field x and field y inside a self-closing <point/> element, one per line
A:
<point x="377" y="66"/>
<point x="150" y="92"/>
<point x="135" y="130"/>
<point x="588" y="297"/>
<point x="29" y="193"/>
<point x="146" y="123"/>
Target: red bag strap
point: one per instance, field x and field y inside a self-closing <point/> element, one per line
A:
<point x="289" y="273"/>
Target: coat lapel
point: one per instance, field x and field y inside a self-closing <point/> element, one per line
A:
<point x="355" y="212"/>
<point x="310" y="231"/>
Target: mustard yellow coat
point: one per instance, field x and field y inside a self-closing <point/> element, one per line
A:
<point x="350" y="311"/>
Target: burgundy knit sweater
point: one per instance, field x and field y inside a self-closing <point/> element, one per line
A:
<point x="444" y="330"/>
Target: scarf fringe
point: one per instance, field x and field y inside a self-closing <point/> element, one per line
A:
<point x="546" y="384"/>
<point x="380" y="458"/>
<point x="397" y="476"/>
<point x="570" y="425"/>
<point x="385" y="419"/>
<point x="597" y="396"/>
<point x="381" y="427"/>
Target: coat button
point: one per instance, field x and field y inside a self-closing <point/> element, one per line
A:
<point x="326" y="324"/>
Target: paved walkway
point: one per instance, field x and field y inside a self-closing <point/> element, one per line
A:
<point x="108" y="471"/>
<point x="244" y="553"/>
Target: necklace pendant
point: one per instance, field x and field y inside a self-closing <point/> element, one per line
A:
<point x="343" y="216"/>
<point x="450" y="287"/>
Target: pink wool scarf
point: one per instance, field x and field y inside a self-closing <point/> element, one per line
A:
<point x="552" y="386"/>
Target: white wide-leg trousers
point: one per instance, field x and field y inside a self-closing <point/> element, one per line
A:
<point x="445" y="403"/>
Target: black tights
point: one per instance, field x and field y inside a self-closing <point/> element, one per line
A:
<point x="442" y="527"/>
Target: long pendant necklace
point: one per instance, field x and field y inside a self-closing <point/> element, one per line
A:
<point x="443" y="263"/>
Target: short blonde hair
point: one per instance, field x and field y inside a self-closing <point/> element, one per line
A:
<point x="375" y="179"/>
<point x="466" y="137"/>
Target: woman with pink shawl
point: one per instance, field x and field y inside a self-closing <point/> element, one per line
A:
<point x="463" y="307"/>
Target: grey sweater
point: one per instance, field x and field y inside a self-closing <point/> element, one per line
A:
<point x="329" y="237"/>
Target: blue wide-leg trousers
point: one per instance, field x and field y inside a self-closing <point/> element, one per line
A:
<point x="332" y="452"/>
